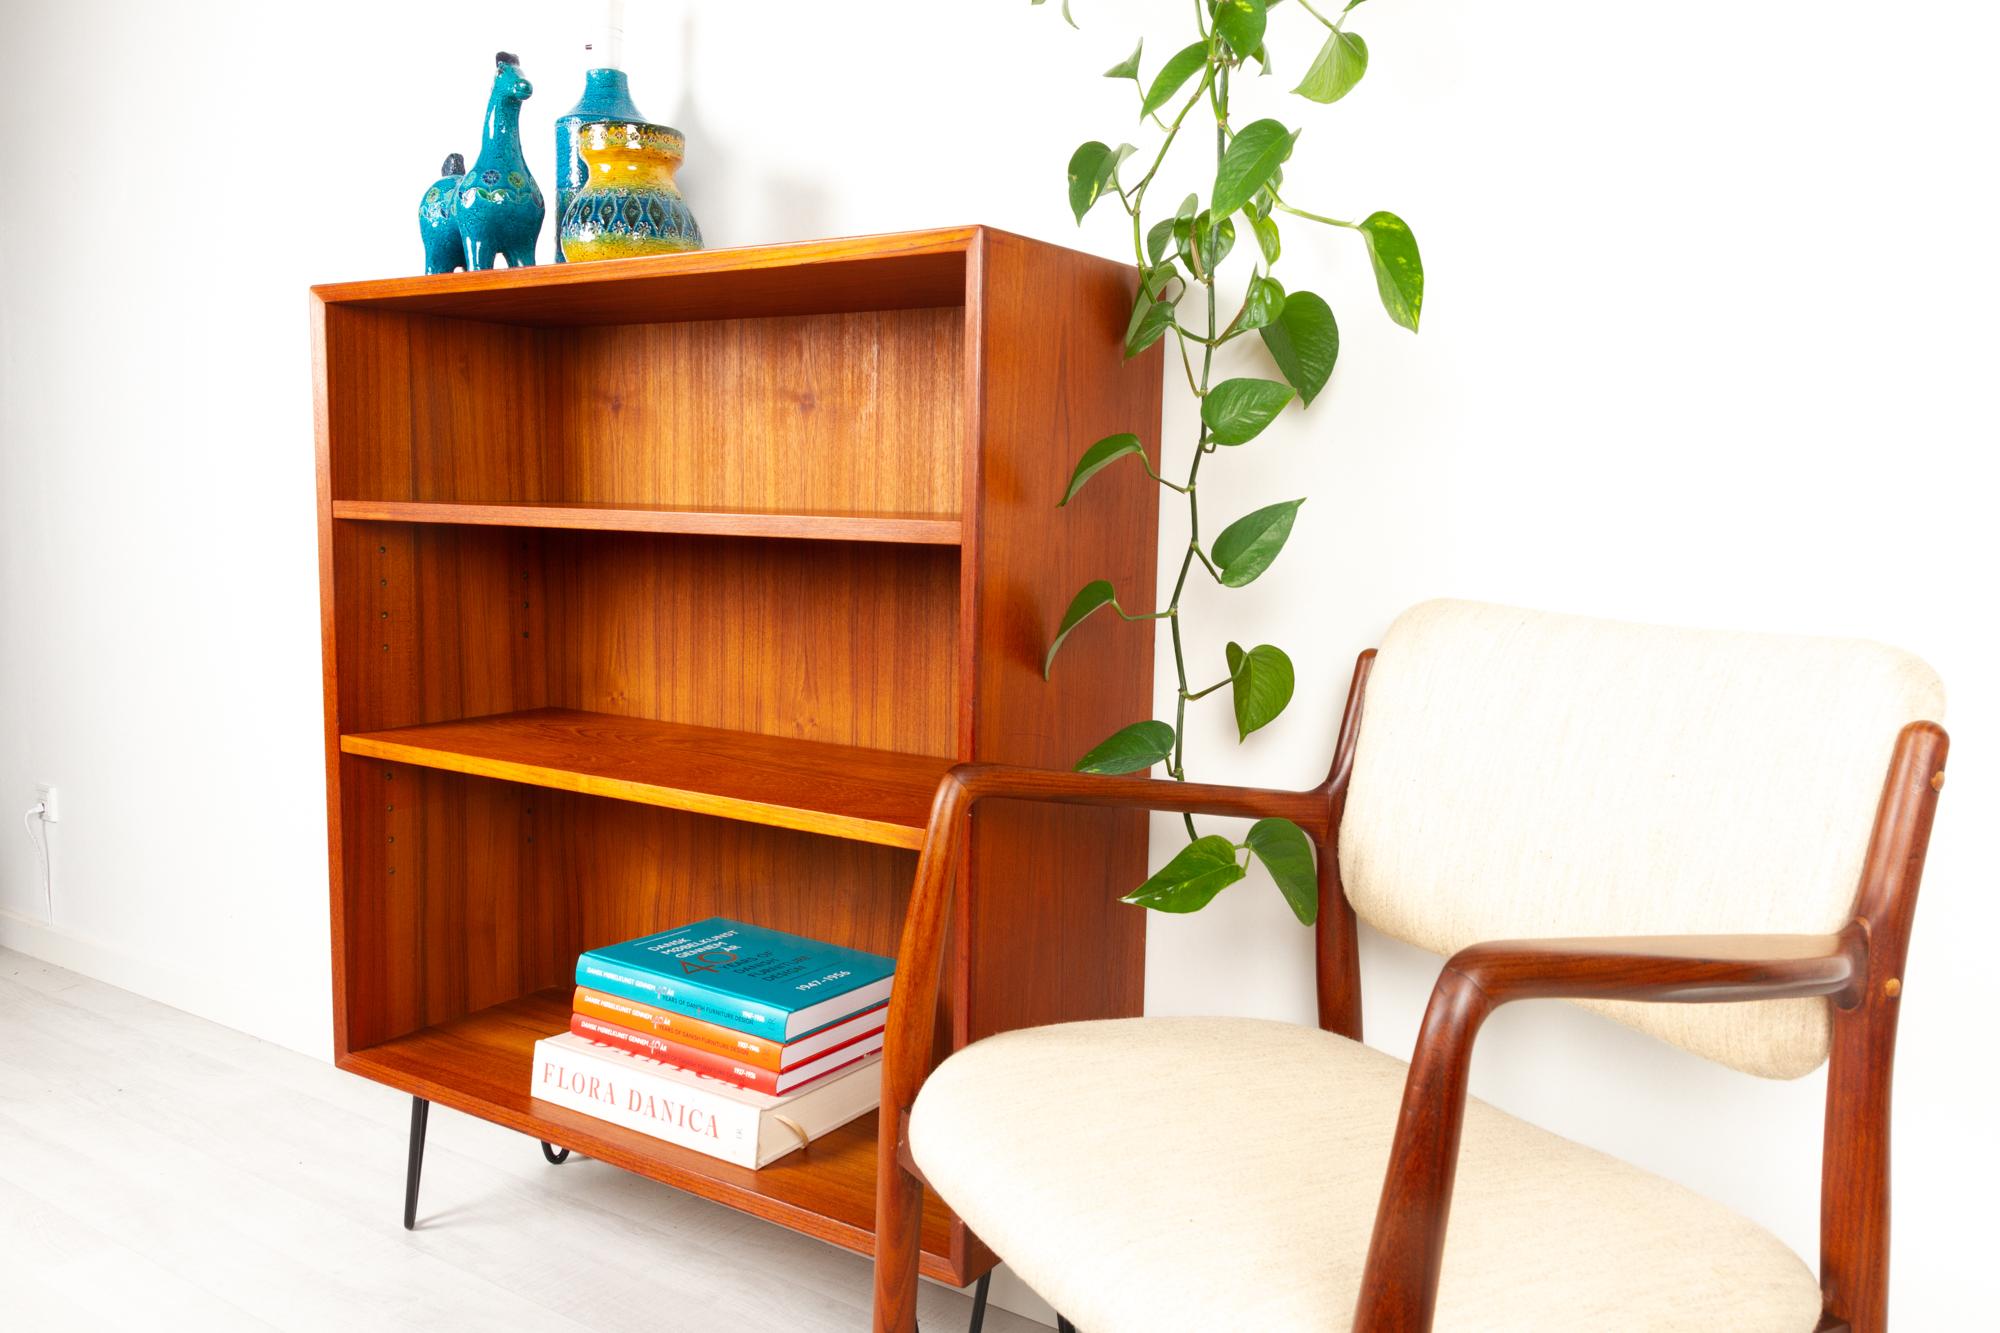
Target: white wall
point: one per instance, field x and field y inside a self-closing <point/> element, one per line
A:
<point x="1708" y="340"/>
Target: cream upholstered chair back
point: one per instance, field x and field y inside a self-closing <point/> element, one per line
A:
<point x="1519" y="775"/>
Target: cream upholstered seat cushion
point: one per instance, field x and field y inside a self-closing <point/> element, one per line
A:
<point x="1155" y="1175"/>
<point x="1519" y="774"/>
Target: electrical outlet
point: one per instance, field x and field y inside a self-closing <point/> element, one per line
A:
<point x="46" y="794"/>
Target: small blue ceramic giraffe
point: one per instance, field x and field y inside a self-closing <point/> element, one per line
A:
<point x="437" y="219"/>
<point x="499" y="209"/>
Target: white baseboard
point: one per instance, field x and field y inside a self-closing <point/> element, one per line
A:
<point x="205" y="994"/>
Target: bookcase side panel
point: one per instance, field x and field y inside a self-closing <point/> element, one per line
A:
<point x="457" y="896"/>
<point x="478" y="411"/>
<point x="366" y="367"/>
<point x="436" y="622"/>
<point x="443" y="879"/>
<point x="1044" y="937"/>
<point x="857" y="413"/>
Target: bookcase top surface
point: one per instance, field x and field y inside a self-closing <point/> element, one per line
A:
<point x="898" y="271"/>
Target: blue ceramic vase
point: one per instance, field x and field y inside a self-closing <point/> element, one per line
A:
<point x="631" y="205"/>
<point x="606" y="96"/>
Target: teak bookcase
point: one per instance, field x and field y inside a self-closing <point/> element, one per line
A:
<point x="664" y="588"/>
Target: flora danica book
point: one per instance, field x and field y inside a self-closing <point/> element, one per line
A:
<point x="735" y="1124"/>
<point x="741" y="976"/>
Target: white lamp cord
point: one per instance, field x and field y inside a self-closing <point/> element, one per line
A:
<point x="28" y="818"/>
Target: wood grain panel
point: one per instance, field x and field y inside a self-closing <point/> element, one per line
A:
<point x="904" y="271"/>
<point x="853" y="412"/>
<point x="846" y="643"/>
<point x="477" y="412"/>
<point x="640" y="870"/>
<point x="453" y="896"/>
<point x="840" y="791"/>
<point x="1049" y="378"/>
<point x="435" y="623"/>
<point x="367" y="392"/>
<point x="801" y="525"/>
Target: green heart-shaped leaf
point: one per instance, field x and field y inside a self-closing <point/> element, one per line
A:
<point x="1261" y="303"/>
<point x="1096" y="595"/>
<point x="1159" y="238"/>
<point x="1399" y="270"/>
<point x="1338" y="67"/>
<point x="1065" y="11"/>
<point x="1216" y="240"/>
<point x="1236" y="411"/>
<point x="1149" y="320"/>
<point x="1204" y="868"/>
<point x="1247" y="547"/>
<point x="1098" y="457"/>
<point x="1241" y="23"/>
<point x="1288" y="854"/>
<point x="1128" y="68"/>
<point x="1090" y="169"/>
<point x="1266" y="228"/>
<point x="1130" y="749"/>
<point x="1180" y="66"/>
<point x="1255" y="152"/>
<point x="1261" y="684"/>
<point x="1305" y="342"/>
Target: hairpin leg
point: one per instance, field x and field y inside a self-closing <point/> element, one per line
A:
<point x="556" y="1156"/>
<point x="420" y="1114"/>
<point x="979" y="1303"/>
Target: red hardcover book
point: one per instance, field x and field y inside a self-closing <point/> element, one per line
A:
<point x="713" y="1065"/>
<point x="743" y="1047"/>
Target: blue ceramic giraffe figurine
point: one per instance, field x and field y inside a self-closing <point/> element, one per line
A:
<point x="437" y="219"/>
<point x="499" y="205"/>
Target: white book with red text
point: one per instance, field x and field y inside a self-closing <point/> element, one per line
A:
<point x="693" y="1111"/>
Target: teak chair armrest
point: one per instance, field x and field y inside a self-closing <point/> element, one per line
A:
<point x="910" y="1040"/>
<point x="913" y="1007"/>
<point x="1406" y="1251"/>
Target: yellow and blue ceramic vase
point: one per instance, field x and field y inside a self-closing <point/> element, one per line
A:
<point x="630" y="205"/>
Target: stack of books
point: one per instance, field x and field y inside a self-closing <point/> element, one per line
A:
<point x="736" y="1041"/>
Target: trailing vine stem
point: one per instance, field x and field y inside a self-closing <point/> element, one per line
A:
<point x="1298" y="331"/>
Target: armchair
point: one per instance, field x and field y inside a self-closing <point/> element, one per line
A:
<point x="1509" y="770"/>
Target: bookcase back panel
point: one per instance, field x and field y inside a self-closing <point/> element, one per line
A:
<point x="639" y="869"/>
<point x="855" y="413"/>
<point x="853" y="643"/>
<point x="457" y="895"/>
<point x="465" y="892"/>
<point x="434" y="623"/>
<point x="849" y="413"/>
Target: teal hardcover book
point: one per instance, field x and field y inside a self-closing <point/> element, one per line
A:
<point x="744" y="977"/>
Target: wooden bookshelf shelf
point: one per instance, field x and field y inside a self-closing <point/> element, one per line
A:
<point x="480" y="1064"/>
<point x="915" y="529"/>
<point x="668" y="588"/>
<point x="841" y="791"/>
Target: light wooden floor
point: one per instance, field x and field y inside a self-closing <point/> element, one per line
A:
<point x="158" y="1172"/>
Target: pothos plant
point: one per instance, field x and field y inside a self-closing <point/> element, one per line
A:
<point x="1179" y="255"/>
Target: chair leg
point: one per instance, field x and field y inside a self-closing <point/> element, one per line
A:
<point x="420" y="1114"/>
<point x="555" y="1156"/>
<point x="979" y="1303"/>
